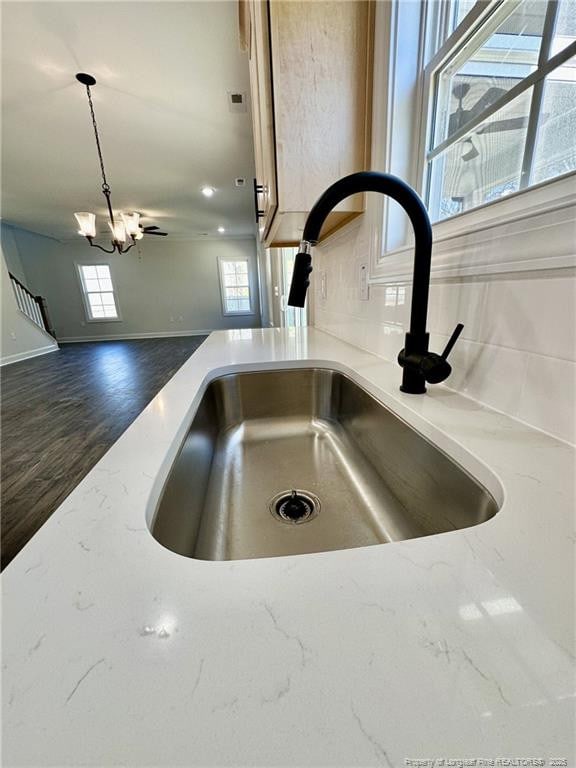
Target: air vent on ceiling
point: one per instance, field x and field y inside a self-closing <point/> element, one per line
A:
<point x="236" y="101"/>
<point x="240" y="182"/>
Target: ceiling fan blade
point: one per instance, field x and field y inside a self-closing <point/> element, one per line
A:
<point x="150" y="228"/>
<point x="510" y="124"/>
<point x="461" y="116"/>
<point x="161" y="234"/>
<point x="487" y="99"/>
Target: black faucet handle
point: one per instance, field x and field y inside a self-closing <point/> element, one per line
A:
<point x="436" y="368"/>
<point x="452" y="340"/>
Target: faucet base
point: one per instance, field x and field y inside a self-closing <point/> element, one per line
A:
<point x="413" y="383"/>
<point x="410" y="358"/>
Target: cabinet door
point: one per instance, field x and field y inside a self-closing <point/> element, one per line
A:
<point x="263" y="113"/>
<point x="322" y="77"/>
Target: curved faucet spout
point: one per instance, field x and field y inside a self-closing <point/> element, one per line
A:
<point x="392" y="186"/>
<point x="419" y="365"/>
<point x="370" y="181"/>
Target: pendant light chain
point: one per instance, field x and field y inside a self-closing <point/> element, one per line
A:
<point x="118" y="237"/>
<point x="105" y="185"/>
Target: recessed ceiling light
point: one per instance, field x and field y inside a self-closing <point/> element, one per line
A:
<point x="221" y="230"/>
<point x="208" y="191"/>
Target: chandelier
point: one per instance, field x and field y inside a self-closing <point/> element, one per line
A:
<point x="125" y="227"/>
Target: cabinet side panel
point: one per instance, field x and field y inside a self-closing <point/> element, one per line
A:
<point x="263" y="114"/>
<point x="320" y="59"/>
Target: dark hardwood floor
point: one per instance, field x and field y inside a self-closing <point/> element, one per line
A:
<point x="61" y="412"/>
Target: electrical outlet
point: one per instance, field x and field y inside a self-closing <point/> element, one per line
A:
<point x="12" y="335"/>
<point x="363" y="277"/>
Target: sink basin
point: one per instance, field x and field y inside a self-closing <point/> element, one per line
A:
<point x="298" y="461"/>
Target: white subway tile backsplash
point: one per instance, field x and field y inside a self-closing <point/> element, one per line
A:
<point x="493" y="375"/>
<point x="536" y="314"/>
<point x="517" y="352"/>
<point x="547" y="399"/>
<point x="451" y="303"/>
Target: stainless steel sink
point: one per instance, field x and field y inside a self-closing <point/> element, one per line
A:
<point x="295" y="461"/>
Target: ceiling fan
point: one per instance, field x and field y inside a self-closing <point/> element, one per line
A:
<point x="461" y="116"/>
<point x="152" y="230"/>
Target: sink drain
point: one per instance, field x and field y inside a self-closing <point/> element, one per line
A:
<point x="295" y="506"/>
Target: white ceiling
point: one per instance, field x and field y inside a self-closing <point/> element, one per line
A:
<point x="163" y="71"/>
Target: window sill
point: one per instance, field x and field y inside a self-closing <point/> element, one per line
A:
<point x="528" y="231"/>
<point x="238" y="314"/>
<point x="103" y="320"/>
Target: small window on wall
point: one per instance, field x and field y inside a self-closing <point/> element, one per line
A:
<point x="98" y="291"/>
<point x="503" y="104"/>
<point x="235" y="285"/>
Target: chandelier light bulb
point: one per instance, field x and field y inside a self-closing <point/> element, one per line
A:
<point x="118" y="231"/>
<point x="87" y="223"/>
<point x="131" y="223"/>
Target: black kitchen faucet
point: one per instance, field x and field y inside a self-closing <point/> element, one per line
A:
<point x="419" y="365"/>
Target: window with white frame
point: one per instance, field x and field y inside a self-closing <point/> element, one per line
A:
<point x="99" y="295"/>
<point x="235" y="286"/>
<point x="503" y="103"/>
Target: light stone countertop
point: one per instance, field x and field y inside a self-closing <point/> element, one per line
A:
<point x="117" y="651"/>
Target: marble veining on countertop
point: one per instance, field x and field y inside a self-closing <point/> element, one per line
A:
<point x="118" y="652"/>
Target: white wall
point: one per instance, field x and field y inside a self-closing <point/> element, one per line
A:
<point x="517" y="352"/>
<point x="164" y="286"/>
<point x="20" y="338"/>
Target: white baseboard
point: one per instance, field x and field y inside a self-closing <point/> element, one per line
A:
<point x="127" y="336"/>
<point x="8" y="359"/>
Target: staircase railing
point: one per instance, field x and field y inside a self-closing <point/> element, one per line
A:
<point x="34" y="307"/>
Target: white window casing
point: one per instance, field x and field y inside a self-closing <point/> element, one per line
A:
<point x="532" y="229"/>
<point x="99" y="294"/>
<point x="236" y="285"/>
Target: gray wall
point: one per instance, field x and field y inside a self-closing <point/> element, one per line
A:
<point x="163" y="286"/>
<point x="20" y="338"/>
<point x="11" y="254"/>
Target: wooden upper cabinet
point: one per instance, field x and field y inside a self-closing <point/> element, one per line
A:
<point x="310" y="80"/>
